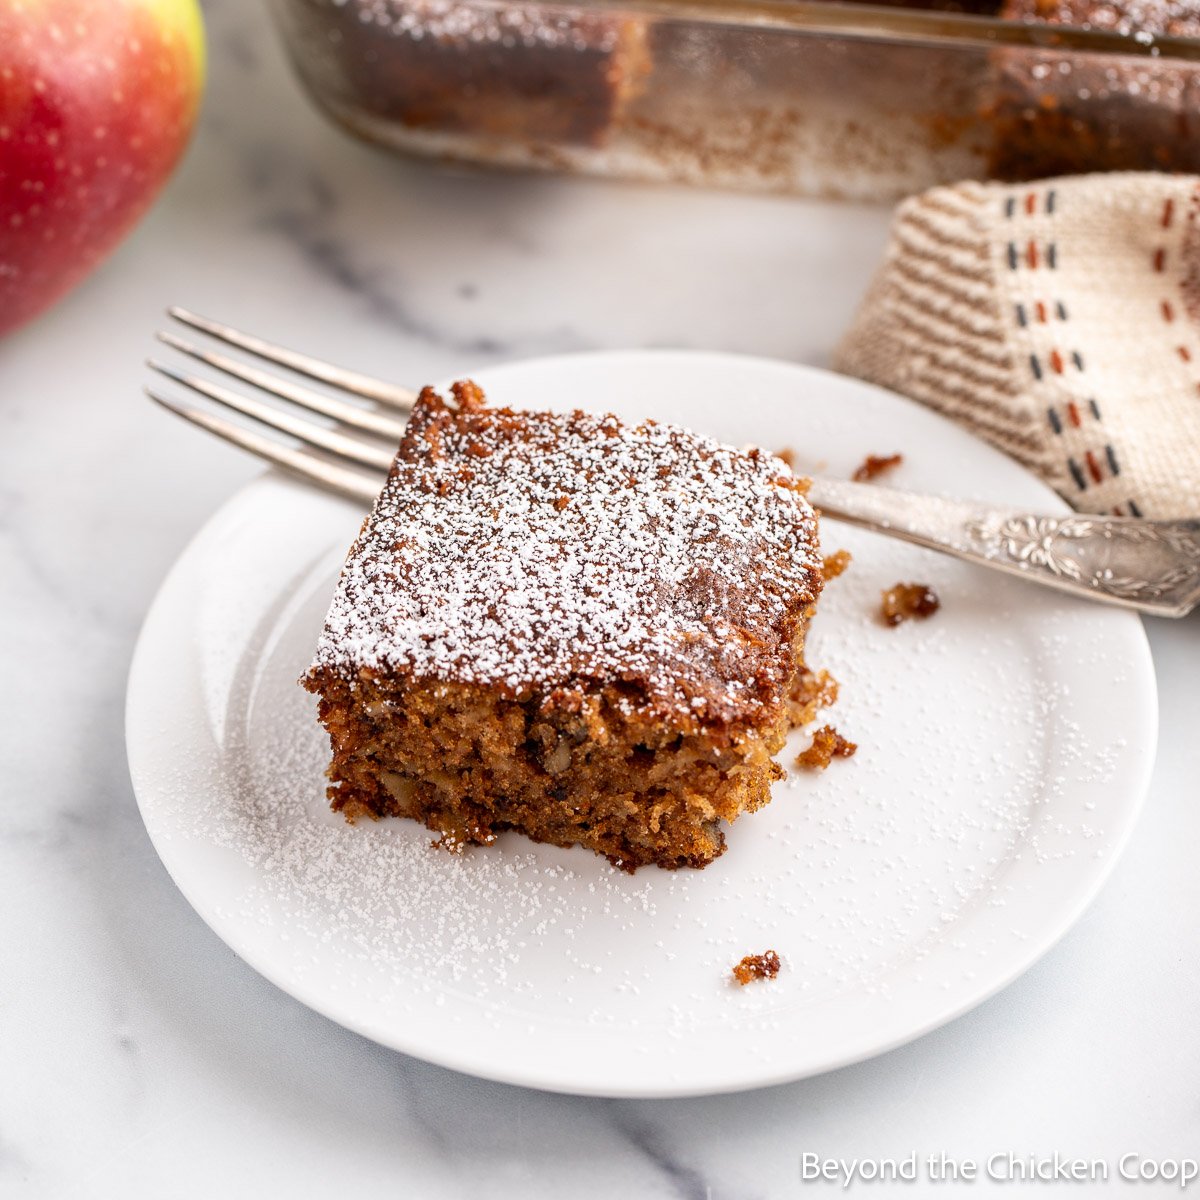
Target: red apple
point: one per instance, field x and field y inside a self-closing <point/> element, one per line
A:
<point x="97" y="98"/>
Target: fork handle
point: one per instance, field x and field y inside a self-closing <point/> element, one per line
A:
<point x="1152" y="566"/>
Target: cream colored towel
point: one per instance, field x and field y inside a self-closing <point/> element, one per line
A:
<point x="1059" y="320"/>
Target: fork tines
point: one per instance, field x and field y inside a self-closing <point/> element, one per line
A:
<point x="343" y="441"/>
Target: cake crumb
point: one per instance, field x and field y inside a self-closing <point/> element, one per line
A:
<point x="905" y="600"/>
<point x="833" y="565"/>
<point x="827" y="744"/>
<point x="813" y="691"/>
<point x="757" y="966"/>
<point x="875" y="465"/>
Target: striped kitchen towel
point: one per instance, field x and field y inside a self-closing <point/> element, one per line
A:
<point x="1059" y="320"/>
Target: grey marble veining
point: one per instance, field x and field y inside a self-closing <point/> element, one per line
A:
<point x="139" y="1056"/>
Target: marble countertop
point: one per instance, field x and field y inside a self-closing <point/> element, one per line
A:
<point x="139" y="1056"/>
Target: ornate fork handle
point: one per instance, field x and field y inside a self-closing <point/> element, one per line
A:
<point x="1153" y="566"/>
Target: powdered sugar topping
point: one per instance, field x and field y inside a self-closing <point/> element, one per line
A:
<point x="542" y="550"/>
<point x="504" y="25"/>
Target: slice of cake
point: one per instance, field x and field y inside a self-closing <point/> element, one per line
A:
<point x="560" y="624"/>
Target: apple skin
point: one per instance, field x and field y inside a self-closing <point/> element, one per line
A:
<point x="97" y="99"/>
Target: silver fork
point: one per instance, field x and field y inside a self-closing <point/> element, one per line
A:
<point x="1152" y="566"/>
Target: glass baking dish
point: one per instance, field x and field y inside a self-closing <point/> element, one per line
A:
<point x="835" y="99"/>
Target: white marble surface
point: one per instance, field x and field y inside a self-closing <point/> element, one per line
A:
<point x="138" y="1056"/>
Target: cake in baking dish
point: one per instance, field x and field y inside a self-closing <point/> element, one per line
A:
<point x="534" y="74"/>
<point x="561" y="624"/>
<point x="1056" y="113"/>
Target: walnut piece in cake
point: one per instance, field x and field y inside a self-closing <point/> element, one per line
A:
<point x="827" y="744"/>
<point x="757" y="966"/>
<point x="557" y="623"/>
<point x="905" y="600"/>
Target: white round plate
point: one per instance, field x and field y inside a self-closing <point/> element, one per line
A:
<point x="1004" y="750"/>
